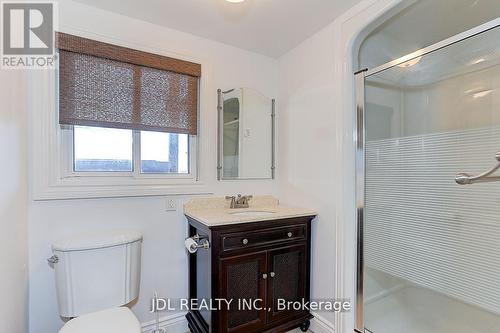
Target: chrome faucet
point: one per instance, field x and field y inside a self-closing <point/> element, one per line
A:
<point x="239" y="201"/>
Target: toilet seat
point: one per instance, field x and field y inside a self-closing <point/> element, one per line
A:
<point x="115" y="320"/>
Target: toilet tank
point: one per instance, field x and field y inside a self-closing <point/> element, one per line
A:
<point x="95" y="272"/>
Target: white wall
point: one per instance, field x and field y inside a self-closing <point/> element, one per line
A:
<point x="316" y="157"/>
<point x="383" y="115"/>
<point x="444" y="105"/>
<point x="450" y="105"/>
<point x="13" y="203"/>
<point x="164" y="265"/>
<point x="306" y="169"/>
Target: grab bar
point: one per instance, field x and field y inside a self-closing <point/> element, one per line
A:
<point x="465" y="179"/>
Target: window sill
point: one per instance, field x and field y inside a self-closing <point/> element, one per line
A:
<point x="65" y="192"/>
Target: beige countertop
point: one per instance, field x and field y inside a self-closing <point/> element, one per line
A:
<point x="215" y="211"/>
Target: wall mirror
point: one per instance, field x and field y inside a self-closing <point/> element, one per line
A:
<point x="245" y="135"/>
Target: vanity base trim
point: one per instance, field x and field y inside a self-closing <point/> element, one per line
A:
<point x="197" y="324"/>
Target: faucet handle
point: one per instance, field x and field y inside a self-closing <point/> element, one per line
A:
<point x="243" y="201"/>
<point x="233" y="200"/>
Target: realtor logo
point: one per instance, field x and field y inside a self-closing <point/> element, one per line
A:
<point x="28" y="34"/>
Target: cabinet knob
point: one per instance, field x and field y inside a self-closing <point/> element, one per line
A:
<point x="245" y="241"/>
<point x="264" y="276"/>
<point x="290" y="234"/>
<point x="272" y="274"/>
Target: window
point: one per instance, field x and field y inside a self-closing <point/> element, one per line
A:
<point x="102" y="149"/>
<point x="164" y="153"/>
<point x="126" y="113"/>
<point x="97" y="149"/>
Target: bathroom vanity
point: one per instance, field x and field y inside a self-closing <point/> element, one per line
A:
<point x="256" y="256"/>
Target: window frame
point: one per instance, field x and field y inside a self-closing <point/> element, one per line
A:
<point x="47" y="138"/>
<point x="67" y="160"/>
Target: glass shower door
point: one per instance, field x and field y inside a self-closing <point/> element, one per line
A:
<point x="431" y="229"/>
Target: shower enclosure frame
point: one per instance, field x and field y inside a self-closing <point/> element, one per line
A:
<point x="359" y="140"/>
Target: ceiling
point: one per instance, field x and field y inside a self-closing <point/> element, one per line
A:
<point x="268" y="27"/>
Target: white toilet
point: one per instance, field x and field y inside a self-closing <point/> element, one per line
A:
<point x="96" y="274"/>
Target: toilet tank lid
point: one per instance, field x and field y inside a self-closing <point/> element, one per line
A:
<point x="96" y="240"/>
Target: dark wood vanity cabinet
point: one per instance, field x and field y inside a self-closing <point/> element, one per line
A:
<point x="254" y="265"/>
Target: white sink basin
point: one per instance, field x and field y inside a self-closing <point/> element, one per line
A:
<point x="252" y="213"/>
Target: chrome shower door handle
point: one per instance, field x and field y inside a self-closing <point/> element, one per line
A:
<point x="465" y="179"/>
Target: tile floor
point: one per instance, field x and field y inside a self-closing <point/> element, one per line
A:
<point x="418" y="310"/>
<point x="293" y="331"/>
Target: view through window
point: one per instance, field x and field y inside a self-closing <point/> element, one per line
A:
<point x="98" y="149"/>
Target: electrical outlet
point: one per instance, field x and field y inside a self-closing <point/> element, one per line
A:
<point x="171" y="205"/>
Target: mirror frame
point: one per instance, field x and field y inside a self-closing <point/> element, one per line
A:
<point x="220" y="138"/>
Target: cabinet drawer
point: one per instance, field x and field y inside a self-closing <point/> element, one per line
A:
<point x="262" y="237"/>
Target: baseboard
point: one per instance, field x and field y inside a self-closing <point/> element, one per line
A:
<point x="175" y="323"/>
<point x="320" y="324"/>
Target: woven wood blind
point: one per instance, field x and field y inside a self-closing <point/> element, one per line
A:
<point x="105" y="85"/>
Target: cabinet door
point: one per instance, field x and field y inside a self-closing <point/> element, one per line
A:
<point x="243" y="279"/>
<point x="287" y="280"/>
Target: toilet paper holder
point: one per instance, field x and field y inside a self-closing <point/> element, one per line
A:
<point x="201" y="242"/>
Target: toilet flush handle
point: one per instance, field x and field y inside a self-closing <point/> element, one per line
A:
<point x="53" y="260"/>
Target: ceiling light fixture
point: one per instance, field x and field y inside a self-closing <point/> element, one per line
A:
<point x="411" y="62"/>
<point x="478" y="92"/>
<point x="482" y="93"/>
<point x="478" y="61"/>
<point x="235" y="1"/>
